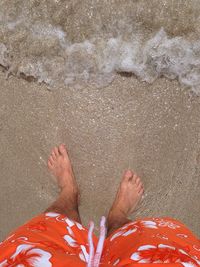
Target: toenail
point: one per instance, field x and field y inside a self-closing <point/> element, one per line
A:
<point x="129" y="173"/>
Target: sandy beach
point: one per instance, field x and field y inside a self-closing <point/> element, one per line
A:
<point x="151" y="129"/>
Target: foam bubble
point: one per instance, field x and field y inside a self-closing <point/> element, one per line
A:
<point x="4" y="58"/>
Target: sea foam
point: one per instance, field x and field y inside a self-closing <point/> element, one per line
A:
<point x="53" y="59"/>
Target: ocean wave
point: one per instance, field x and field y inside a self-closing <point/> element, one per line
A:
<point x="98" y="61"/>
<point x="42" y="51"/>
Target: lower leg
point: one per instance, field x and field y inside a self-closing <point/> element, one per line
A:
<point x="129" y="194"/>
<point x="67" y="201"/>
<point x="116" y="222"/>
<point x="66" y="207"/>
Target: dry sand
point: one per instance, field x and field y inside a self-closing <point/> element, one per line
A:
<point x="152" y="129"/>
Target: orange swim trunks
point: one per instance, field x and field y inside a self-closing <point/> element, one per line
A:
<point x="52" y="239"/>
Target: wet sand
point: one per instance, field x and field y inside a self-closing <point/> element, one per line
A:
<point x="152" y="129"/>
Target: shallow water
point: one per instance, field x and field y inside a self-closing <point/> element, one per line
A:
<point x="90" y="42"/>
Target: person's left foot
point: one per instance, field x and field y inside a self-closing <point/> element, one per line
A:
<point x="127" y="198"/>
<point x="60" y="165"/>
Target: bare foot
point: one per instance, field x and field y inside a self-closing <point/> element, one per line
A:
<point x="128" y="196"/>
<point x="60" y="165"/>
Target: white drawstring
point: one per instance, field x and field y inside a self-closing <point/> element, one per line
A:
<point x="91" y="245"/>
<point x="94" y="258"/>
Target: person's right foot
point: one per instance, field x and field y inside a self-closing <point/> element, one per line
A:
<point x="60" y="166"/>
<point x="128" y="196"/>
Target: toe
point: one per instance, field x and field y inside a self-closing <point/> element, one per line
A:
<point x="134" y="178"/>
<point x="49" y="164"/>
<point x="62" y="150"/>
<point x="128" y="175"/>
<point x="51" y="160"/>
<point x="139" y="186"/>
<point x="141" y="192"/>
<point x="137" y="181"/>
<point x="53" y="154"/>
<point x="56" y="151"/>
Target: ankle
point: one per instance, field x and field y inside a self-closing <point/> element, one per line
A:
<point x="68" y="200"/>
<point x="117" y="215"/>
<point x="116" y="218"/>
<point x="114" y="223"/>
<point x="67" y="192"/>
